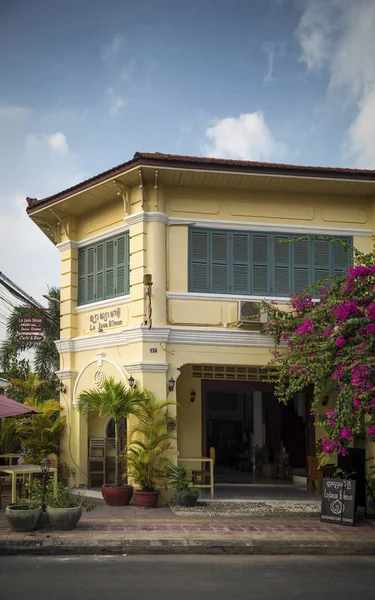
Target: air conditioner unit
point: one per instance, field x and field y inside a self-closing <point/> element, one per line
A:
<point x="251" y="312"/>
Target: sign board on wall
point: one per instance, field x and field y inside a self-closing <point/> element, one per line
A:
<point x="338" y="501"/>
<point x="30" y="329"/>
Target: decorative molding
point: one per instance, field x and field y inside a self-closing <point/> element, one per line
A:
<point x="67" y="245"/>
<point x="146" y="367"/>
<point x="102" y="304"/>
<point x="269" y="227"/>
<point x="66" y="374"/>
<point x="223" y="297"/>
<point x="91" y="362"/>
<point x="157" y="217"/>
<point x="200" y="336"/>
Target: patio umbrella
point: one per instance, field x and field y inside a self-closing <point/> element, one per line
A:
<point x="11" y="408"/>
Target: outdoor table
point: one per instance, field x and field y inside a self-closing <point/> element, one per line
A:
<point x="10" y="457"/>
<point x="29" y="470"/>
<point x="202" y="459"/>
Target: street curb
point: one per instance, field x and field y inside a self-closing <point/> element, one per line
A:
<point x="92" y="546"/>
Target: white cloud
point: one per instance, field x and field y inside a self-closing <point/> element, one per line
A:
<point x="58" y="142"/>
<point x="115" y="102"/>
<point x="247" y="137"/>
<point x="112" y="49"/>
<point x="274" y="50"/>
<point x="13" y="112"/>
<point x="338" y="36"/>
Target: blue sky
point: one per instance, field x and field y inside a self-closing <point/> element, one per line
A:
<point x="85" y="84"/>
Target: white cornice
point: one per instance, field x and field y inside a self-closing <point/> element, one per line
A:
<point x="224" y="297"/>
<point x="102" y="304"/>
<point x="146" y="367"/>
<point x="200" y="336"/>
<point x="67" y="245"/>
<point x="157" y="217"/>
<point x="269" y="227"/>
<point x="66" y="374"/>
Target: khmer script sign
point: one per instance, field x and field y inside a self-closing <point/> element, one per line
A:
<point x="105" y="319"/>
<point x="338" y="501"/>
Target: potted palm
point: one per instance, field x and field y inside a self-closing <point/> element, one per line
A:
<point x="117" y="401"/>
<point x="146" y="453"/>
<point x="181" y="481"/>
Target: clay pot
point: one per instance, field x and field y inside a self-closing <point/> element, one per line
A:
<point x="64" y="519"/>
<point x="22" y="520"/>
<point x="117" y="496"/>
<point x="146" y="499"/>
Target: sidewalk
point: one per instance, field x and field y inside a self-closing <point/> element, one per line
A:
<point x="132" y="530"/>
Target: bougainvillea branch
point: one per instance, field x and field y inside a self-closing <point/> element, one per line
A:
<point x="329" y="345"/>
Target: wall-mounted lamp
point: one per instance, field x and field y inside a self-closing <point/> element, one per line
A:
<point x="192" y="395"/>
<point x="131" y="381"/>
<point x="59" y="386"/>
<point x="45" y="465"/>
<point x="171" y="383"/>
<point x="147" y="282"/>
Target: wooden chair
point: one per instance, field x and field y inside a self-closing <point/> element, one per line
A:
<point x="202" y="475"/>
<point x="53" y="460"/>
<point x="315" y="474"/>
<point x="96" y="460"/>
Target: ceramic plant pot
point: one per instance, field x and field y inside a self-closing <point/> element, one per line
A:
<point x="22" y="520"/>
<point x="64" y="518"/>
<point x="117" y="496"/>
<point x="146" y="499"/>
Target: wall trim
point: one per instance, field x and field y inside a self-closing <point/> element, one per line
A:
<point x="146" y="367"/>
<point x="200" y="336"/>
<point x="102" y="304"/>
<point x="269" y="227"/>
<point x="156" y="217"/>
<point x="67" y="245"/>
<point x="223" y="297"/>
<point x="66" y="374"/>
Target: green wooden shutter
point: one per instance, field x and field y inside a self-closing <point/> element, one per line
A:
<point x="90" y="265"/>
<point x="219" y="263"/>
<point x="109" y="289"/>
<point x="199" y="246"/>
<point x="241" y="263"/>
<point x="121" y="265"/>
<point x="99" y="272"/>
<point x="300" y="252"/>
<point x="81" y="276"/>
<point x="281" y="269"/>
<point x="340" y="259"/>
<point x="260" y="258"/>
<point x="321" y="260"/>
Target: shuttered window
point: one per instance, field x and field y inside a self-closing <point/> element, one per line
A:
<point x="259" y="264"/>
<point x="103" y="270"/>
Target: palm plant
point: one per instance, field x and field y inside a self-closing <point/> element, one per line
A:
<point x="47" y="358"/>
<point x="114" y="400"/>
<point x="40" y="434"/>
<point x="149" y="443"/>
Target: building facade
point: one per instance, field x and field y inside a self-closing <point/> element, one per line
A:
<point x="208" y="234"/>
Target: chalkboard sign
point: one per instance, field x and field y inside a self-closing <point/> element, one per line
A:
<point x="353" y="463"/>
<point x="338" y="501"/>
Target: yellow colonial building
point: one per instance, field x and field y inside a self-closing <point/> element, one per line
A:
<point x="162" y="260"/>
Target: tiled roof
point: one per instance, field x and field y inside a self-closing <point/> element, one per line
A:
<point x="158" y="159"/>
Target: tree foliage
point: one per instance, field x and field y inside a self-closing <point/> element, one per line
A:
<point x="330" y="345"/>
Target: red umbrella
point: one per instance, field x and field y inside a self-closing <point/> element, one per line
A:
<point x="11" y="408"/>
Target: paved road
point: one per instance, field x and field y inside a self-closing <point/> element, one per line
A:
<point x="186" y="578"/>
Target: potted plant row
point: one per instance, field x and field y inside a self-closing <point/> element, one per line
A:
<point x="63" y="509"/>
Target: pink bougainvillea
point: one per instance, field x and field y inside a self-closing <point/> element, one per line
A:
<point x="329" y="346"/>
